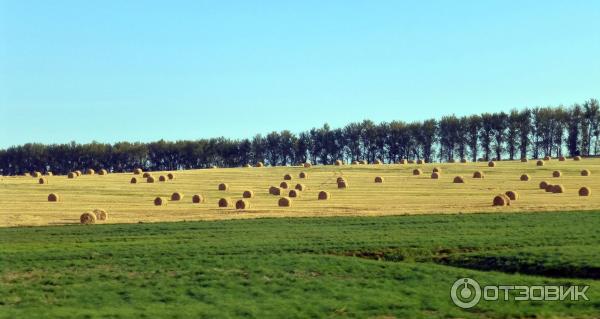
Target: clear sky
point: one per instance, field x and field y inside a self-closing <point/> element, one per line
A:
<point x="145" y="70"/>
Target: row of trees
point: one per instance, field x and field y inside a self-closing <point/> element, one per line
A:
<point x="535" y="132"/>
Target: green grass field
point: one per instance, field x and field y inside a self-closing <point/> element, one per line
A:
<point x="357" y="267"/>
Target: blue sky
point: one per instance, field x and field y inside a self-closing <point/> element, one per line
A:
<point x="144" y="70"/>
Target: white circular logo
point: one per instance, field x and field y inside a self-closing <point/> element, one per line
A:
<point x="465" y="293"/>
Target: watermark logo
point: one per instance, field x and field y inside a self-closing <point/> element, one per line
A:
<point x="466" y="293"/>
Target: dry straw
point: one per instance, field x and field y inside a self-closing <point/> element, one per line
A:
<point x="103" y="172"/>
<point x="49" y="174"/>
<point x="146" y="175"/>
<point x="307" y="165"/>
<point x="437" y="170"/>
<point x="101" y="214"/>
<point x="478" y="174"/>
<point x="458" y="180"/>
<point x="435" y="175"/>
<point x="417" y="172"/>
<point x="501" y="200"/>
<point x="540" y="163"/>
<point x="420" y="161"/>
<point x="524" y="160"/>
<point x="338" y="163"/>
<point x="586" y="172"/>
<point x="378" y="179"/>
<point x="224" y="202"/>
<point x="403" y="162"/>
<point x="300" y="187"/>
<point x="294" y="193"/>
<point x="160" y="201"/>
<point x="43" y="180"/>
<point x="491" y="164"/>
<point x="197" y="199"/>
<point x="71" y="175"/>
<point x="547" y="158"/>
<point x="284" y="202"/>
<point x="170" y="176"/>
<point x="525" y="178"/>
<point x="556" y="174"/>
<point x="87" y="218"/>
<point x="283" y="185"/>
<point x="512" y="195"/>
<point x="176" y="196"/>
<point x="90" y="171"/>
<point x="274" y="190"/>
<point x="340" y="179"/>
<point x="377" y="162"/>
<point x="585" y="191"/>
<point x="323" y="195"/>
<point x="223" y="187"/>
<point x="137" y="171"/>
<point x="562" y="159"/>
<point x="303" y="175"/>
<point x="577" y="158"/>
<point x="162" y="178"/>
<point x="133" y="180"/>
<point x="558" y="189"/>
<point x="543" y="185"/>
<point x="242" y="204"/>
<point x="53" y="197"/>
<point x="287" y="177"/>
<point x="260" y="164"/>
<point x="248" y="194"/>
<point x="463" y="160"/>
<point x="150" y="179"/>
<point x="342" y="184"/>
<point x="36" y="174"/>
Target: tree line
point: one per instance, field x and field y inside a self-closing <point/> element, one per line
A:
<point x="530" y="132"/>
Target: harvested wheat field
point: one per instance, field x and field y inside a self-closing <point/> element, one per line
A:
<point x="25" y="202"/>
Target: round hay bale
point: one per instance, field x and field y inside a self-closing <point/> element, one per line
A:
<point x="242" y="204"/>
<point x="586" y="172"/>
<point x="43" y="180"/>
<point x="435" y="175"/>
<point x="543" y="185"/>
<point x="562" y="159"/>
<point x="303" y="175"/>
<point x="524" y="160"/>
<point x="420" y="161"/>
<point x="78" y="173"/>
<point x="540" y="163"/>
<point x="338" y="163"/>
<point x="248" y="194"/>
<point x="170" y="176"/>
<point x="53" y="197"/>
<point x="417" y="172"/>
<point x="525" y="178"/>
<point x="36" y="174"/>
<point x="354" y="163"/>
<point x="547" y="158"/>
<point x="437" y="170"/>
<point x="90" y="171"/>
<point x="284" y="202"/>
<point x="340" y="179"/>
<point x="87" y="218"/>
<point x="458" y="180"/>
<point x="307" y="165"/>
<point x="577" y="158"/>
<point x="556" y="174"/>
<point x="558" y="189"/>
<point x="247" y="165"/>
<point x="274" y="190"/>
<point x="585" y="191"/>
<point x="103" y="172"/>
<point x="300" y="187"/>
<point x="49" y="174"/>
<point x="223" y="187"/>
<point x="411" y="161"/>
<point x="176" y="196"/>
<point x="363" y="162"/>
<point x="512" y="195"/>
<point x="463" y="160"/>
<point x="491" y="164"/>
<point x="133" y="180"/>
<point x="146" y="175"/>
<point x="162" y="178"/>
<point x="160" y="201"/>
<point x="378" y="179"/>
<point x="26" y="174"/>
<point x="377" y="162"/>
<point x="283" y="185"/>
<point x="197" y="199"/>
<point x="71" y="175"/>
<point x="294" y="193"/>
<point x="501" y="200"/>
<point x="342" y="184"/>
<point x="150" y="179"/>
<point x="323" y="195"/>
<point x="260" y="164"/>
<point x="478" y="174"/>
<point x="214" y="167"/>
<point x="101" y="214"/>
<point x="452" y="161"/>
<point x="138" y="171"/>
<point x="403" y="162"/>
<point x="287" y="177"/>
<point x="224" y="202"/>
<point x="549" y="188"/>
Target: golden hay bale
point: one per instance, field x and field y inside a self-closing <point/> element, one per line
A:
<point x="53" y="197"/>
<point x="223" y="187"/>
<point x="137" y="171"/>
<point x="543" y="185"/>
<point x="26" y="174"/>
<point x="146" y="174"/>
<point x="247" y="165"/>
<point x="287" y="177"/>
<point x="303" y="175"/>
<point x="340" y="179"/>
<point x="547" y="158"/>
<point x="342" y="184"/>
<point x="525" y="178"/>
<point x="586" y="172"/>
<point x="355" y="163"/>
<point x="160" y="201"/>
<point x="177" y="196"/>
<point x="36" y="174"/>
<point x="260" y="164"/>
<point x="478" y="174"/>
<point x="242" y="204"/>
<point x="558" y="189"/>
<point x="49" y="174"/>
<point x="283" y="185"/>
<point x="491" y="164"/>
<point x="214" y="167"/>
<point x="585" y="191"/>
<point x="452" y="161"/>
<point x="133" y="180"/>
<point x="524" y="160"/>
<point x="102" y="172"/>
<point x="197" y="199"/>
<point x="101" y="214"/>
<point x="435" y="175"/>
<point x="274" y="190"/>
<point x="437" y="170"/>
<point x="300" y="187"/>
<point x="323" y="195"/>
<point x="411" y="161"/>
<point x="378" y="179"/>
<point x="294" y="193"/>
<point x="90" y="171"/>
<point x="224" y="202"/>
<point x="87" y="218"/>
<point x="307" y="165"/>
<point x="170" y="176"/>
<point x="72" y="175"/>
<point x="463" y="160"/>
<point x="577" y="158"/>
<point x="43" y="180"/>
<point x="78" y="172"/>
<point x="458" y="180"/>
<point x="150" y="179"/>
<point x="377" y="162"/>
<point x="417" y="171"/>
<point x="248" y="194"/>
<point x="549" y="188"/>
<point x="338" y="163"/>
<point x="162" y="178"/>
<point x="403" y="162"/>
<point x="512" y="195"/>
<point x="556" y="174"/>
<point x="540" y="163"/>
<point x="562" y="159"/>
<point x="420" y="161"/>
<point x="284" y="202"/>
<point x="501" y="200"/>
<point x="363" y="162"/>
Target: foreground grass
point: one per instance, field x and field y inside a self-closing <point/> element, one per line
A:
<point x="296" y="268"/>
